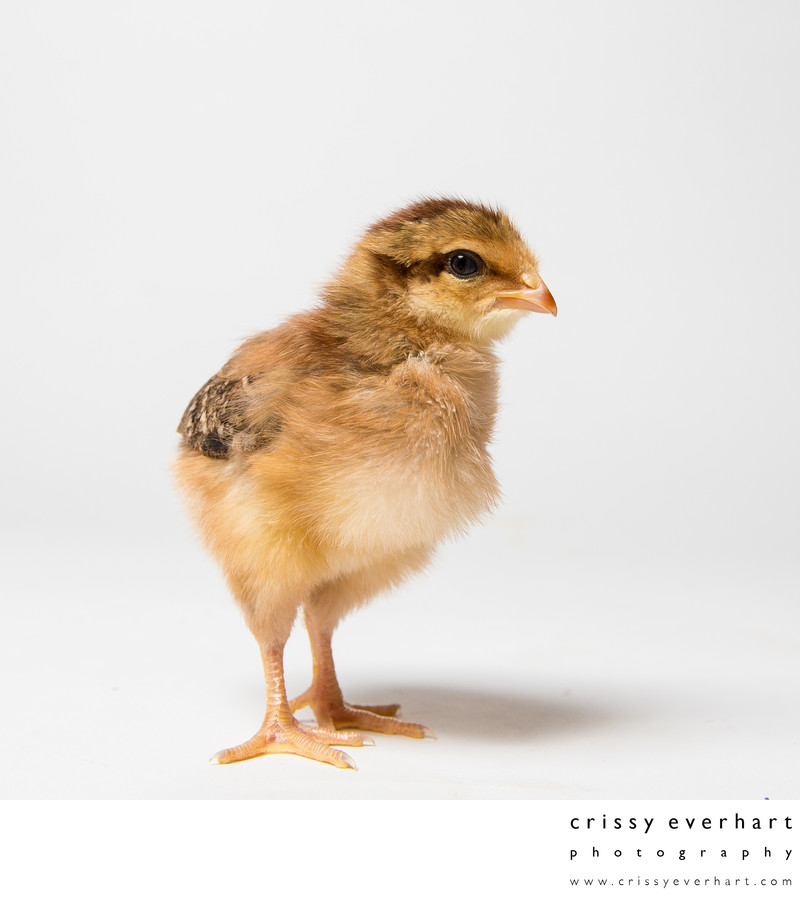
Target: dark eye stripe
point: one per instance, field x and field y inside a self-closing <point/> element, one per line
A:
<point x="464" y="264"/>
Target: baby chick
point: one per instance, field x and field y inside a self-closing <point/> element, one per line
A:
<point x="329" y="456"/>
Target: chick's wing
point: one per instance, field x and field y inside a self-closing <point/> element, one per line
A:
<point x="218" y="421"/>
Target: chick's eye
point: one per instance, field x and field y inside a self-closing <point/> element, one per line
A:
<point x="463" y="264"/>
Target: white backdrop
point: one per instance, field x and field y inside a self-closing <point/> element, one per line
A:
<point x="176" y="176"/>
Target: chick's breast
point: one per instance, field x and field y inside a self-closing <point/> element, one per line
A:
<point x="387" y="461"/>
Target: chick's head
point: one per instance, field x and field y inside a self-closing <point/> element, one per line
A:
<point x="458" y="265"/>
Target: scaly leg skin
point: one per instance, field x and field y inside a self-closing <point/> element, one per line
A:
<point x="280" y="733"/>
<point x="325" y="698"/>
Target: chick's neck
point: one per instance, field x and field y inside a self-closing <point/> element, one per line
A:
<point x="366" y="311"/>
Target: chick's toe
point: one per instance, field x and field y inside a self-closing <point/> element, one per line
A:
<point x="288" y="736"/>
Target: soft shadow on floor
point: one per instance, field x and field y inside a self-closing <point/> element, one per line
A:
<point x="487" y="714"/>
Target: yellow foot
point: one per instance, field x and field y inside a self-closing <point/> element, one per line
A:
<point x="293" y="738"/>
<point x="333" y="712"/>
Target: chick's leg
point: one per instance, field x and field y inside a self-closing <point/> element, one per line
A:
<point x="325" y="698"/>
<point x="280" y="733"/>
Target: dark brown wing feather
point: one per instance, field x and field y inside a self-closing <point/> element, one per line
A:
<point x="215" y="421"/>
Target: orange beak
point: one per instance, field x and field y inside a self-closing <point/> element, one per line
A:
<point x="538" y="300"/>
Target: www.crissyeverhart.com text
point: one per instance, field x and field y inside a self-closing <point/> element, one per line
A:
<point x="665" y="882"/>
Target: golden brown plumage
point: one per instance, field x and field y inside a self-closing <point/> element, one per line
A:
<point x="330" y="455"/>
